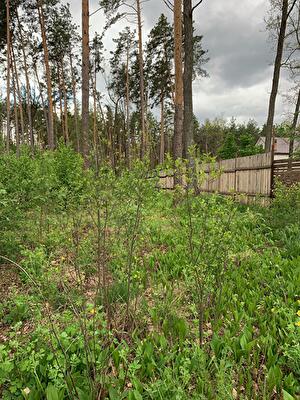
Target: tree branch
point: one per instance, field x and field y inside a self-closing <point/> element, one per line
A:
<point x="291" y="9"/>
<point x="198" y="4"/>
<point x="94" y="12"/>
<point x="169" y="4"/>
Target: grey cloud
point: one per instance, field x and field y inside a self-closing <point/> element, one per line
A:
<point x="240" y="55"/>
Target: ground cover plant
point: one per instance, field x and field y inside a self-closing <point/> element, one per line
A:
<point x="112" y="289"/>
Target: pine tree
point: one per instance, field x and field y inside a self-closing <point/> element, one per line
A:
<point x="159" y="66"/>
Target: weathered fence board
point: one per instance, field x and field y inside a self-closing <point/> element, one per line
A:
<point x="247" y="178"/>
<point x="244" y="176"/>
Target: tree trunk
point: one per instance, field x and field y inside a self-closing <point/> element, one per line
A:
<point x="28" y="89"/>
<point x="65" y="103"/>
<point x="48" y="75"/>
<point x="276" y="75"/>
<point x="188" y="77"/>
<point x="178" y="119"/>
<point x="61" y="116"/>
<point x="75" y="103"/>
<point x="17" y="132"/>
<point x="162" y="132"/>
<point x="8" y="43"/>
<point x="294" y="126"/>
<point x="127" y="136"/>
<point x="142" y="83"/>
<point x="95" y="133"/>
<point x="42" y="97"/>
<point x="18" y="92"/>
<point x="85" y="79"/>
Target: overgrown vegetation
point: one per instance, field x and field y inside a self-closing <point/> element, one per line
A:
<point x="112" y="289"/>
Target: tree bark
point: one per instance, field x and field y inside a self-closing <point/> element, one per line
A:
<point x="65" y="103"/>
<point x="162" y="132"/>
<point x="18" y="93"/>
<point x="75" y="104"/>
<point x="42" y="96"/>
<point x="17" y="132"/>
<point x="142" y="82"/>
<point x="28" y="89"/>
<point x="276" y="75"/>
<point x="8" y="43"/>
<point x="188" y="77"/>
<point x="95" y="127"/>
<point x="85" y="79"/>
<point x="51" y="143"/>
<point x="127" y="136"/>
<point x="178" y="119"/>
<point x="294" y="126"/>
<point x="61" y="116"/>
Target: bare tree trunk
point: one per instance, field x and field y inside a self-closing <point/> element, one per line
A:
<point x="85" y="79"/>
<point x="111" y="146"/>
<point x="48" y="75"/>
<point x="127" y="137"/>
<point x="142" y="82"/>
<point x="8" y="43"/>
<point x="276" y="75"/>
<point x="178" y="119"/>
<point x="95" y="133"/>
<point x="65" y="103"/>
<point x="61" y="116"/>
<point x="162" y="132"/>
<point x="188" y="77"/>
<point x="17" y="132"/>
<point x="75" y="103"/>
<point x="115" y="134"/>
<point x="18" y="92"/>
<point x="42" y="96"/>
<point x="294" y="125"/>
<point x="28" y="89"/>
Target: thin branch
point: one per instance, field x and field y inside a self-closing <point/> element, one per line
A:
<point x="94" y="12"/>
<point x="196" y="5"/>
<point x="169" y="4"/>
<point x="291" y="9"/>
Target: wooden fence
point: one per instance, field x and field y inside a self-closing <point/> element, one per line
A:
<point x="247" y="178"/>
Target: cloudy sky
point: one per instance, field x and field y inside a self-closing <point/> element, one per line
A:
<point x="240" y="70"/>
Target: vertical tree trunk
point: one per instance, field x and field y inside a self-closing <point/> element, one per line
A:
<point x="294" y="125"/>
<point x="17" y="132"/>
<point x="142" y="82"/>
<point x="42" y="96"/>
<point x="178" y="119"/>
<point x="85" y="79"/>
<point x="8" y="43"/>
<point x="188" y="77"/>
<point x="66" y="129"/>
<point x="61" y="115"/>
<point x="28" y="89"/>
<point x="95" y="133"/>
<point x="127" y="136"/>
<point x="162" y="131"/>
<point x="75" y="103"/>
<point x="48" y="75"/>
<point x="276" y="75"/>
<point x="18" y="92"/>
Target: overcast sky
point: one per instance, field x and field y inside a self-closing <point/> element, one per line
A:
<point x="240" y="71"/>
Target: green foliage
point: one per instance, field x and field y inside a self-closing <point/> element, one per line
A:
<point x="127" y="292"/>
<point x="228" y="140"/>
